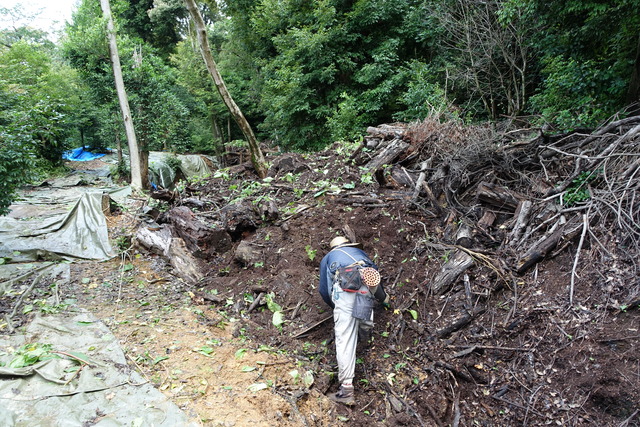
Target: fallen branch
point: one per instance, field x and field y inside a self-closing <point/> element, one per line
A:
<point x="585" y="224"/>
<point x="308" y="329"/>
<point x="460" y="323"/>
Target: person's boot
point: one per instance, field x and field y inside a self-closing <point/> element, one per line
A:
<point x="344" y="395"/>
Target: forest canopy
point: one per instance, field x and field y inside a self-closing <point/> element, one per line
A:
<point x="306" y="74"/>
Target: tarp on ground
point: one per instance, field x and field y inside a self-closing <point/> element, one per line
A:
<point x="80" y="233"/>
<point x="80" y="154"/>
<point x="162" y="174"/>
<point x="55" y="392"/>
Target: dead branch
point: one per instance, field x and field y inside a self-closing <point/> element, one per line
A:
<point x="585" y="224"/>
<point x="460" y="323"/>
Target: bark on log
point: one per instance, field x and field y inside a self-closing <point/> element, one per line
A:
<point x="184" y="264"/>
<point x="174" y="250"/>
<point x="387" y="155"/>
<point x="386" y="132"/>
<point x="156" y="241"/>
<point x="544" y="246"/>
<point x="498" y="197"/>
<point x="459" y="323"/>
<point x="487" y="220"/>
<point x="450" y="272"/>
<point x="198" y="236"/>
<point x="464" y="237"/>
<point x="522" y="218"/>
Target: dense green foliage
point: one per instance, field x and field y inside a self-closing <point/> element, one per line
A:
<point x="306" y="73"/>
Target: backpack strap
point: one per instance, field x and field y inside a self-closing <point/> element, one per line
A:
<point x="361" y="262"/>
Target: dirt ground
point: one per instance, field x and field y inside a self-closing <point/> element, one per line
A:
<point x="520" y="354"/>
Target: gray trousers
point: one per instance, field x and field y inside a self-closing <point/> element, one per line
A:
<point x="346" y="330"/>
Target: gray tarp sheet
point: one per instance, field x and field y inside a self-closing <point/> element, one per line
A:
<point x="104" y="393"/>
<point x="160" y="173"/>
<point x="64" y="219"/>
<point x="81" y="233"/>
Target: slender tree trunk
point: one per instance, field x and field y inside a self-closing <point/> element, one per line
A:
<point x="257" y="158"/>
<point x="134" y="155"/>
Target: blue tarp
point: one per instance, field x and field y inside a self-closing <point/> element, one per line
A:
<point x="80" y="155"/>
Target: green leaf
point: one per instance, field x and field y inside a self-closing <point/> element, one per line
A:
<point x="257" y="387"/>
<point x="278" y="319"/>
<point x="159" y="359"/>
<point x="241" y="353"/>
<point x="414" y="314"/>
<point x="248" y="368"/>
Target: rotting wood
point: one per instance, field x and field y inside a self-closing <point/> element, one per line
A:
<point x="165" y="195"/>
<point x="155" y="240"/>
<point x="540" y="250"/>
<point x="460" y="323"/>
<point x="387" y="155"/>
<point x="523" y="211"/>
<point x="196" y="234"/>
<point x="423" y="174"/>
<point x="457" y="264"/>
<point x="185" y="265"/>
<point x="464" y="236"/>
<point x="487" y="220"/>
<point x="386" y="132"/>
<point x="499" y="197"/>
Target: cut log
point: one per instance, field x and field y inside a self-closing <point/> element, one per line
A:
<point x="487" y="220"/>
<point x="450" y="272"/>
<point x="198" y="237"/>
<point x="522" y="218"/>
<point x="499" y="197"/>
<point x="155" y="240"/>
<point x="386" y="132"/>
<point x="161" y="242"/>
<point x="464" y="236"/>
<point x="545" y="245"/>
<point x="387" y="155"/>
<point x="459" y="323"/>
<point x="184" y="264"/>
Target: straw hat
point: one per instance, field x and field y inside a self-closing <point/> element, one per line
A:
<point x="341" y="241"/>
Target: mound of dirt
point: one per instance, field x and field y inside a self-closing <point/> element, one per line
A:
<point x="510" y="258"/>
<point x="507" y="307"/>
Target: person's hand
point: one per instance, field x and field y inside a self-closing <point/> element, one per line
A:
<point x="387" y="302"/>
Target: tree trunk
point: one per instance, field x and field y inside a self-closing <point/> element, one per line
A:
<point x="257" y="158"/>
<point x="134" y="156"/>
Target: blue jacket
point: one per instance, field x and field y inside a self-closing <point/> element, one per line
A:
<point x="335" y="259"/>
